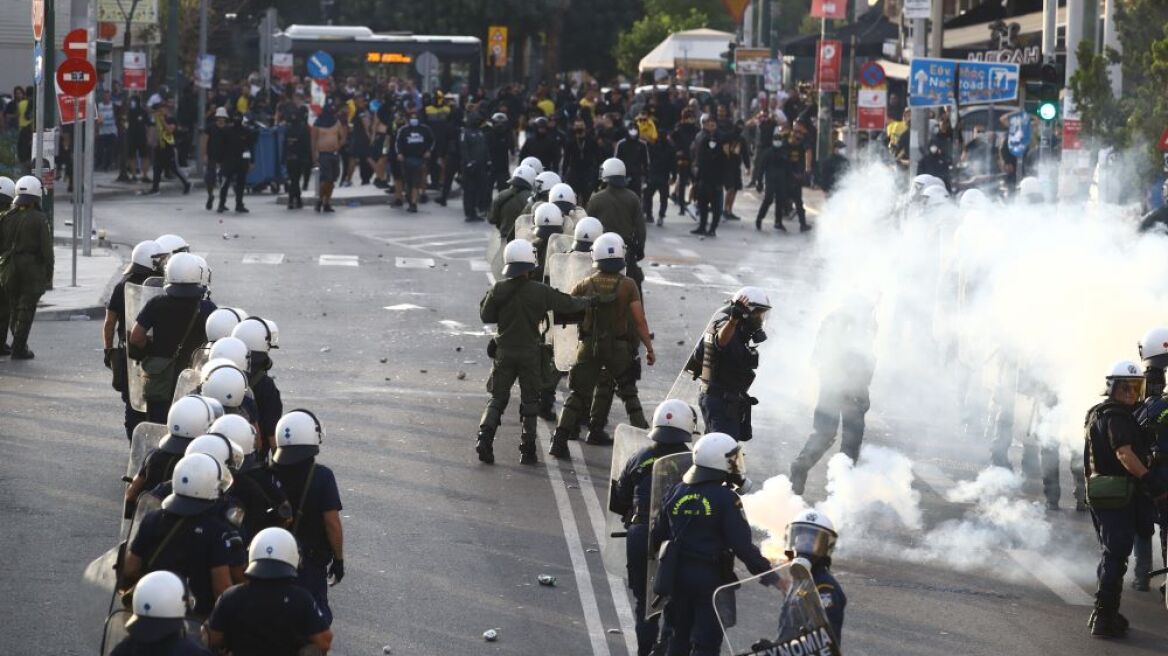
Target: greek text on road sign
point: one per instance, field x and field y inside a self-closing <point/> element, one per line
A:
<point x="939" y="82"/>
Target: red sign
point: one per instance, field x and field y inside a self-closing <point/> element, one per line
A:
<point x="827" y="66"/>
<point x="836" y="9"/>
<point x="870" y="118"/>
<point x="1071" y="129"/>
<point x="1162" y="144"/>
<point x="134" y="71"/>
<point x="38" y="19"/>
<point x="737" y="8"/>
<point x="871" y="108"/>
<point x="66" y="111"/>
<point x="76" y="45"/>
<point x="76" y="77"/>
<point x="282" y="66"/>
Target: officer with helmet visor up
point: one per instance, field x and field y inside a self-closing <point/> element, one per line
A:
<point x="725" y="361"/>
<point x="812" y="537"/>
<point x="269" y="613"/>
<point x="1120" y="489"/>
<point x="26" y="261"/>
<point x="674" y="423"/>
<point x="703" y="520"/>
<point x="158" y="625"/>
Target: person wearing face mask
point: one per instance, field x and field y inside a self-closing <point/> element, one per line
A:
<point x="581" y="161"/>
<point x="725" y="361"/>
<point x="297" y="153"/>
<point x="772" y="169"/>
<point x="682" y="140"/>
<point x="237" y="142"/>
<point x="634" y="152"/>
<point x="710" y="161"/>
<point x="935" y="163"/>
<point x="844" y="359"/>
<point x="542" y="145"/>
<point x="738" y="151"/>
<point x="415" y="145"/>
<point x="328" y="136"/>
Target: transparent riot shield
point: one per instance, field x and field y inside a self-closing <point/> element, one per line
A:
<point x="148" y="502"/>
<point x="200" y="356"/>
<point x="572" y="218"/>
<point x="115" y="630"/>
<point x="561" y="242"/>
<point x="667" y="473"/>
<point x="136" y="297"/>
<point x="627" y="442"/>
<point x="145" y="439"/>
<point x="188" y="381"/>
<point x="771" y="620"/>
<point x="525" y="227"/>
<point x="564" y="272"/>
<point x="495" y="253"/>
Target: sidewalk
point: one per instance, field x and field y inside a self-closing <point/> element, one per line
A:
<point x="96" y="276"/>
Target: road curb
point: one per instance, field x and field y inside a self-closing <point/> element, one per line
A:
<point x="89" y="312"/>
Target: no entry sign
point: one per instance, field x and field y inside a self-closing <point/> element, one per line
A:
<point x="76" y="44"/>
<point x="76" y="77"/>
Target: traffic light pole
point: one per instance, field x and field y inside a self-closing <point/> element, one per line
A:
<point x="90" y="130"/>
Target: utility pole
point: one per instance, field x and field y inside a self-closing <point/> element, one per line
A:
<point x="172" y="46"/>
<point x="201" y="92"/>
<point x="90" y="139"/>
<point x="920" y="116"/>
<point x="47" y="103"/>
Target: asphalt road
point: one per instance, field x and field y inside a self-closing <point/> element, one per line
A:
<point x="377" y="311"/>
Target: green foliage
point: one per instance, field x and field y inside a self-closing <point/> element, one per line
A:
<point x="716" y="16"/>
<point x="645" y="34"/>
<point x="1098" y="108"/>
<point x="590" y="34"/>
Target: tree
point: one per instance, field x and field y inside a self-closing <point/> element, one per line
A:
<point x="717" y="18"/>
<point x="594" y="28"/>
<point x="1100" y="112"/>
<point x="645" y="34"/>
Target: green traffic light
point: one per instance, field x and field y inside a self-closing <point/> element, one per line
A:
<point x="1047" y="111"/>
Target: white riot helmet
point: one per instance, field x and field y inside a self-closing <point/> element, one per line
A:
<point x="674" y="422"/>
<point x="222" y="321"/>
<point x="28" y="188"/>
<point x="519" y="257"/>
<point x="752" y="297"/>
<point x="233" y="349"/>
<point x="973" y="199"/>
<point x="145" y="254"/>
<point x="161" y="604"/>
<point x="608" y="252"/>
<point x="7" y="188"/>
<point x="523" y="176"/>
<point x="1154" y="347"/>
<point x="548" y="220"/>
<point x="612" y="171"/>
<point x="257" y="333"/>
<point x="934" y="196"/>
<point x="220" y="448"/>
<point x="173" y="244"/>
<point x="1030" y="190"/>
<point x="185" y="276"/>
<point x="532" y="163"/>
<point x="564" y="196"/>
<point x="197" y="483"/>
<point x="586" y="232"/>
<point x="188" y="418"/>
<point x="811" y="535"/>
<point x="923" y="181"/>
<point x="717" y="456"/>
<point x="273" y="554"/>
<point x="1124" y="372"/>
<point x="544" y="181"/>
<point x="224" y="382"/>
<point x="298" y="437"/>
<point x="237" y="429"/>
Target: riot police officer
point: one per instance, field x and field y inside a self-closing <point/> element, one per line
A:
<point x="261" y="336"/>
<point x="26" y="261"/>
<point x="225" y="382"/>
<point x="189" y="536"/>
<point x="509" y="204"/>
<point x="187" y="419"/>
<point x="143" y="265"/>
<point x="703" y="520"/>
<point x="586" y="232"/>
<point x="7" y="193"/>
<point x="271" y="502"/>
<point x="316" y="504"/>
<point x="158" y="625"/>
<point x="674" y="423"/>
<point x="222" y="321"/>
<point x="541" y="189"/>
<point x="269" y="613"/>
<point x="605" y="342"/>
<point x="620" y="211"/>
<point x="170" y="327"/>
<point x="1120" y="489"/>
<point x="725" y="361"/>
<point x="811" y="536"/>
<point x="845" y="361"/>
<point x="501" y="144"/>
<point x="518" y="305"/>
<point x="1153" y="418"/>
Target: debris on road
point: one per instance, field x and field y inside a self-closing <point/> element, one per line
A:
<point x="325" y="349"/>
<point x="462" y="375"/>
<point x="491" y="635"/>
<point x="547" y="580"/>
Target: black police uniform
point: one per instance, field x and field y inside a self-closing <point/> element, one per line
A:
<point x="265" y="617"/>
<point x="174" y="644"/>
<point x="312" y="490"/>
<point x="631" y="499"/>
<point x="198" y="544"/>
<point x="158" y="466"/>
<point x="831" y="596"/>
<point x="269" y="405"/>
<point x="168" y="318"/>
<point x="1111" y="426"/>
<point x="727" y="373"/>
<point x="117" y="304"/>
<point x="708" y="528"/>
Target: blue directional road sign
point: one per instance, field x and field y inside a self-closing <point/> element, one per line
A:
<point x="1018" y="136"/>
<point x="933" y="82"/>
<point x="320" y="65"/>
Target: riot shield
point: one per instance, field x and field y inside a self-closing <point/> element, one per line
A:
<point x="148" y="502"/>
<point x="525" y="227"/>
<point x="686" y="387"/>
<point x="115" y="630"/>
<point x="572" y="218"/>
<point x="495" y="253"/>
<point x="667" y="473"/>
<point x="561" y="242"/>
<point x="200" y="356"/>
<point x="564" y="272"/>
<point x="627" y="442"/>
<point x="188" y="381"/>
<point x="146" y="437"/>
<point x="136" y="297"/>
<point x="771" y="620"/>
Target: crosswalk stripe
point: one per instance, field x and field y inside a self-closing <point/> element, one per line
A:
<point x="263" y="258"/>
<point x="448" y="253"/>
<point x="339" y="260"/>
<point x="419" y="239"/>
<point x="479" y="239"/>
<point x="414" y="262"/>
<point x="479" y="265"/>
<point x="685" y="252"/>
<point x="714" y="274"/>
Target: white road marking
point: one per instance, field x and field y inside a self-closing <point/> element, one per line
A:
<point x="450" y="253"/>
<point x="655" y="278"/>
<point x="616" y="585"/>
<point x="339" y="260"/>
<point x="714" y="274"/>
<point x="414" y="262"/>
<point x="480" y="265"/>
<point x="422" y="238"/>
<point x="1043" y="569"/>
<point x="467" y="239"/>
<point x="263" y="258"/>
<point x="704" y="276"/>
<point x="685" y="252"/>
<point x="402" y="307"/>
<point x="596" y="633"/>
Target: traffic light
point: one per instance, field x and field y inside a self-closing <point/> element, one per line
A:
<point x="728" y="57"/>
<point x="1048" y="95"/>
<point x="104" y="55"/>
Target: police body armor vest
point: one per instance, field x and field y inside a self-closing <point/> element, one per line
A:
<point x="717" y="375"/>
<point x="1101" y="411"/>
<point x="599" y="324"/>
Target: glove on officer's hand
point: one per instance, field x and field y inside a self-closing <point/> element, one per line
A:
<point x="1154" y="483"/>
<point x="739" y="311"/>
<point x="336" y="570"/>
<point x="108" y="358"/>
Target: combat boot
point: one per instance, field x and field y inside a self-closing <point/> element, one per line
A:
<point x="560" y="445"/>
<point x="1106" y="622"/>
<point x="598" y="437"/>
<point x="547" y="406"/>
<point x="22" y="353"/>
<point x="527" y="442"/>
<point x="798" y="477"/>
<point x="484" y="446"/>
<point x="4" y="349"/>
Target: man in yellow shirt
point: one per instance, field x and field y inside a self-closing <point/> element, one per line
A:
<point x="165" y="159"/>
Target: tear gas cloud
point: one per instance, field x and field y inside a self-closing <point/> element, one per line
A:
<point x="983" y="310"/>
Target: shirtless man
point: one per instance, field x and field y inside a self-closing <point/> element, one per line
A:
<point x="328" y="135"/>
